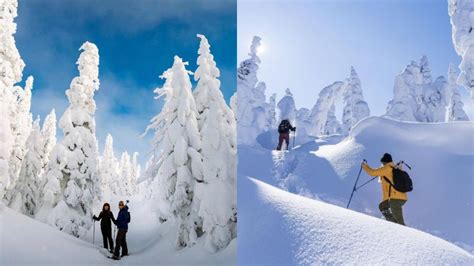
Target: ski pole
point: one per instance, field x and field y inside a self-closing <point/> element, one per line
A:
<point x="294" y="137"/>
<point x="355" y="185"/>
<point x="93" y="234"/>
<point x="403" y="162"/>
<point x="366" y="182"/>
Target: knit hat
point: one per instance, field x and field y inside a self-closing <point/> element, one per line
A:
<point x="387" y="158"/>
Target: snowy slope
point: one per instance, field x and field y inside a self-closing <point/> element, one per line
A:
<point x="280" y="228"/>
<point x="26" y="241"/>
<point x="441" y="154"/>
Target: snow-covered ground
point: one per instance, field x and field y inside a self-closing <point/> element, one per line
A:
<point x="441" y="155"/>
<point x="280" y="228"/>
<point x="27" y="241"/>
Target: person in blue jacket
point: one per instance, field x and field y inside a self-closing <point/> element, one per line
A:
<point x="123" y="218"/>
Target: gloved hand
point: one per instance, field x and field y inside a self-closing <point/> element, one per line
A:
<point x="94" y="217"/>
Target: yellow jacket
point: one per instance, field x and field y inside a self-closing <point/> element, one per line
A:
<point x="387" y="192"/>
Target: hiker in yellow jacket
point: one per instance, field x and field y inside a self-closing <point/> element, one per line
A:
<point x="392" y="200"/>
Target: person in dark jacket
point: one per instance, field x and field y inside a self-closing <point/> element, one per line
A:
<point x="284" y="130"/>
<point x="106" y="217"/>
<point x="123" y="218"/>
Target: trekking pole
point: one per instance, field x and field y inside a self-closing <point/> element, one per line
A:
<point x="93" y="234"/>
<point x="294" y="137"/>
<point x="366" y="182"/>
<point x="403" y="162"/>
<point x="355" y="185"/>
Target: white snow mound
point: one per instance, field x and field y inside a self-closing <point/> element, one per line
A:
<point x="25" y="241"/>
<point x="283" y="228"/>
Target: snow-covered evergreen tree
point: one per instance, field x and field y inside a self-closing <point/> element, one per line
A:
<point x="323" y="116"/>
<point x="233" y="104"/>
<point x="49" y="136"/>
<point x="355" y="108"/>
<point x="11" y="72"/>
<point x="72" y="184"/>
<point x="287" y="107"/>
<point x="215" y="195"/>
<point x="21" y="122"/>
<point x="125" y="174"/>
<point x="27" y="188"/>
<point x="425" y="70"/>
<point x="272" y="123"/>
<point x="109" y="166"/>
<point x="332" y="126"/>
<point x="416" y="97"/>
<point x="135" y="174"/>
<point x="178" y="141"/>
<point x="462" y="21"/>
<point x="252" y="111"/>
<point x="406" y="94"/>
<point x="456" y="106"/>
<point x="303" y="122"/>
<point x="434" y="100"/>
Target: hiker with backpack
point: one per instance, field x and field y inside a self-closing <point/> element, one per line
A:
<point x="395" y="184"/>
<point x="123" y="218"/>
<point x="106" y="217"/>
<point x="284" y="131"/>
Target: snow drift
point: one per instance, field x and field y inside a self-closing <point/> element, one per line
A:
<point x="25" y="241"/>
<point x="441" y="154"/>
<point x="280" y="228"/>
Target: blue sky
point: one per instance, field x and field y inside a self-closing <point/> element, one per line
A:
<point x="310" y="44"/>
<point x="136" y="44"/>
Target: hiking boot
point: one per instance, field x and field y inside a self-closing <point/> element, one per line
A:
<point x="115" y="257"/>
<point x="123" y="255"/>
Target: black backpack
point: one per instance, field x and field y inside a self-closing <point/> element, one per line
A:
<point x="401" y="180"/>
<point x="284" y="126"/>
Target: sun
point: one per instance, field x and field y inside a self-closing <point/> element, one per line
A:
<point x="261" y="49"/>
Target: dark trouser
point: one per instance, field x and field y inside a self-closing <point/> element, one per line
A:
<point x="107" y="235"/>
<point x="283" y="137"/>
<point x="121" y="241"/>
<point x="392" y="210"/>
